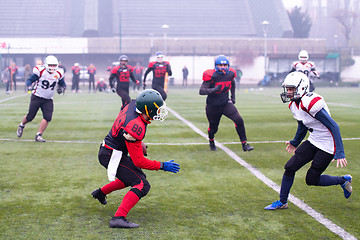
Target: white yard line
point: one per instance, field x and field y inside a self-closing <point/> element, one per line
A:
<point x="7" y="99"/>
<point x="317" y="216"/>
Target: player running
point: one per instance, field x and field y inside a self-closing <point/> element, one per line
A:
<point x="216" y="85"/>
<point x="159" y="68"/>
<point x="306" y="67"/>
<point x="323" y="146"/>
<point x="125" y="137"/>
<point x="45" y="77"/>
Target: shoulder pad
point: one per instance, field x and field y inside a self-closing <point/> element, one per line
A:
<point x="312" y="103"/>
<point x="130" y="68"/>
<point x="114" y="69"/>
<point x="208" y="74"/>
<point x="38" y="69"/>
<point x="151" y="64"/>
<point x="232" y="70"/>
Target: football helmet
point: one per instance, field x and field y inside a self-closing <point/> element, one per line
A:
<point x="159" y="57"/>
<point x="123" y="59"/>
<point x="51" y="63"/>
<point x="222" y="60"/>
<point x="303" y="56"/>
<point x="151" y="104"/>
<point x="300" y="84"/>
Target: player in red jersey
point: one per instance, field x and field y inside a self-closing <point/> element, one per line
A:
<point x="125" y="137"/>
<point x="159" y="68"/>
<point x="122" y="73"/>
<point x="216" y="84"/>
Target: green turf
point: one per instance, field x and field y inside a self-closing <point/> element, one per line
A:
<point x="45" y="187"/>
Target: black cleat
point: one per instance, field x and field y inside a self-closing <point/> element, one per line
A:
<point x="212" y="146"/>
<point x="246" y="147"/>
<point x="38" y="138"/>
<point x="122" y="222"/>
<point x="99" y="195"/>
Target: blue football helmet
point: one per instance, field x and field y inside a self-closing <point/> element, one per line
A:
<point x="222" y="60"/>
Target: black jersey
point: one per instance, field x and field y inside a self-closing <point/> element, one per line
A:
<point x="212" y="79"/>
<point x="123" y="76"/>
<point x="159" y="71"/>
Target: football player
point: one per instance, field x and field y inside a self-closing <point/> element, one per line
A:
<point x="216" y="85"/>
<point x="125" y="137"/>
<point x="306" y="67"/>
<point x="46" y="77"/>
<point x="159" y="68"/>
<point x="323" y="145"/>
<point x="122" y="73"/>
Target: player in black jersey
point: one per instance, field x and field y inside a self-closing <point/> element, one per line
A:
<point x="216" y="84"/>
<point x="159" y="68"/>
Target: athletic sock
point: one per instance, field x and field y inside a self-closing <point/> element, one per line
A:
<point x="326" y="180"/>
<point x="128" y="202"/>
<point x="113" y="186"/>
<point x="286" y="184"/>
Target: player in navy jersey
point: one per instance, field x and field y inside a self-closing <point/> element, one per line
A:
<point x="45" y="78"/>
<point x="125" y="137"/>
<point x="159" y="68"/>
<point x="217" y="83"/>
<point x="323" y="146"/>
<point x="122" y="73"/>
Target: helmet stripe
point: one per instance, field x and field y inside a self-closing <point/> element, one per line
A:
<point x="156" y="105"/>
<point x="147" y="112"/>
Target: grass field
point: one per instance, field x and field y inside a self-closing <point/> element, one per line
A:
<point x="45" y="187"/>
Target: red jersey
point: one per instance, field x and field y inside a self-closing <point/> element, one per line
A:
<point x="159" y="71"/>
<point x="122" y="75"/>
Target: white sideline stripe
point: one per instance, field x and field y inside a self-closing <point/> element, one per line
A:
<point x="7" y="99"/>
<point x="317" y="216"/>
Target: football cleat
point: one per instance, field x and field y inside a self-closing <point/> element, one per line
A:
<point x="99" y="195"/>
<point x="246" y="147"/>
<point x="20" y="131"/>
<point x="122" y="222"/>
<point x="212" y="146"/>
<point x="347" y="186"/>
<point x="38" y="138"/>
<point x="276" y="205"/>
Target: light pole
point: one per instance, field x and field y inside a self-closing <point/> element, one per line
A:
<point x="336" y="41"/>
<point x="165" y="28"/>
<point x="265" y="25"/>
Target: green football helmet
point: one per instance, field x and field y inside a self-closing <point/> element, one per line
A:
<point x="151" y="103"/>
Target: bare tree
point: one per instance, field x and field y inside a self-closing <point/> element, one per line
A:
<point x="300" y="22"/>
<point x="347" y="20"/>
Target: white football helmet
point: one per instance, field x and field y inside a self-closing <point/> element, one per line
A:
<point x="297" y="80"/>
<point x="51" y="63"/>
<point x="303" y="56"/>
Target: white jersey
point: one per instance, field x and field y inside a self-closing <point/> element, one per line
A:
<point x="45" y="85"/>
<point x="305" y="68"/>
<point x="319" y="134"/>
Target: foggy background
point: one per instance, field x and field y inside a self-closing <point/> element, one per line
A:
<point x="262" y="37"/>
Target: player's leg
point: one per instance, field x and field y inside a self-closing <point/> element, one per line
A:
<point x="47" y="108"/>
<point x="232" y="113"/>
<point x="124" y="94"/>
<point x="161" y="90"/>
<point x="34" y="106"/>
<point x="213" y="115"/>
<point x="318" y="166"/>
<point x="303" y="154"/>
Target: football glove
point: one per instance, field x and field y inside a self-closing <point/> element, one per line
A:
<point x="170" y="166"/>
<point x="113" y="89"/>
<point x="60" y="90"/>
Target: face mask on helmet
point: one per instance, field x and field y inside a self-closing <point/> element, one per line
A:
<point x="303" y="56"/>
<point x="159" y="57"/>
<point x="123" y="59"/>
<point x="51" y="64"/>
<point x="295" y="85"/>
<point x="222" y="64"/>
<point x="150" y="103"/>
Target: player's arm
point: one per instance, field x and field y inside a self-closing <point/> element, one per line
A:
<point x="205" y="88"/>
<point x="232" y="90"/>
<point x="132" y="77"/>
<point x="168" y="69"/>
<point x="111" y="78"/>
<point x="333" y="127"/>
<point x="32" y="79"/>
<point x="137" y="156"/>
<point x="148" y="70"/>
<point x="299" y="135"/>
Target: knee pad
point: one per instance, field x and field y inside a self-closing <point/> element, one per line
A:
<point x="143" y="191"/>
<point x="312" y="177"/>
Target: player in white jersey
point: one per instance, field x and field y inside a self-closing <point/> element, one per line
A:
<point x="323" y="146"/>
<point x="45" y="78"/>
<point x="306" y="67"/>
